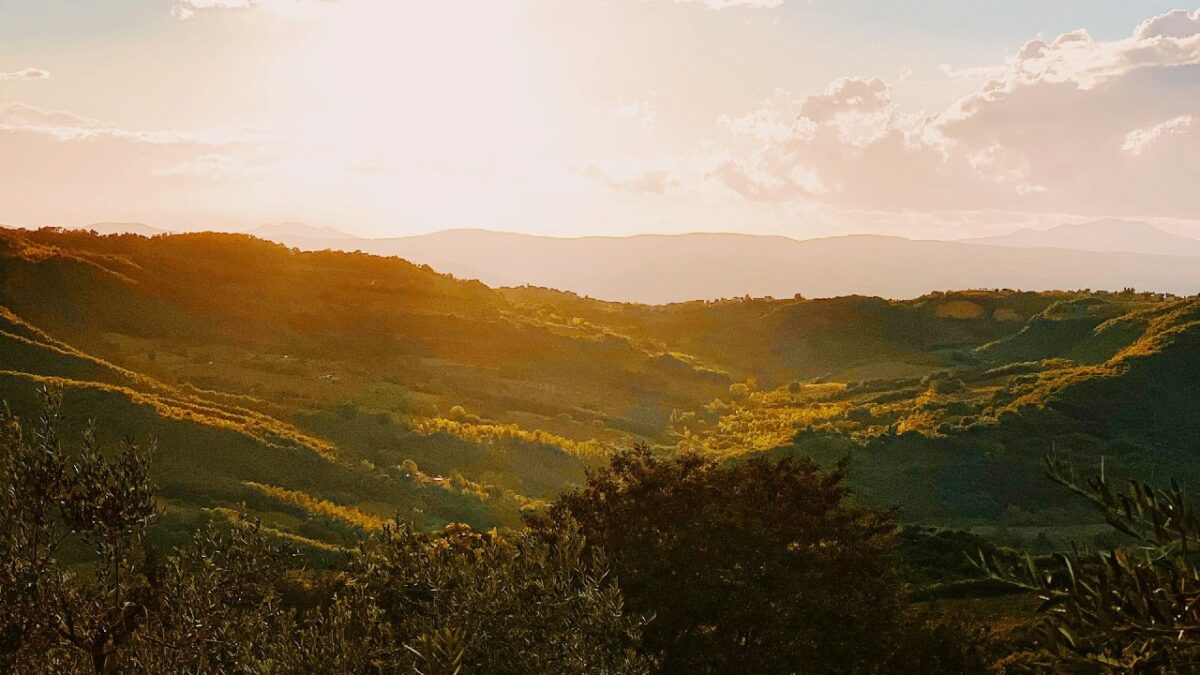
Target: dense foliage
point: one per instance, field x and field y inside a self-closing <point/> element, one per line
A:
<point x="82" y="592"/>
<point x="1129" y="609"/>
<point x="755" y="567"/>
<point x="320" y="414"/>
<point x="670" y="565"/>
<point x="752" y="567"/>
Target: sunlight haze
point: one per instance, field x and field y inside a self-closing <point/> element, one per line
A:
<point x="623" y="337"/>
<point x="599" y="118"/>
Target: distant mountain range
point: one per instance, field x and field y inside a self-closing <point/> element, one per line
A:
<point x="1108" y="236"/>
<point x="670" y="268"/>
<point x="273" y="231"/>
<point x="1104" y="255"/>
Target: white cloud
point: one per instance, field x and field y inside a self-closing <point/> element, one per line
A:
<point x="186" y="9"/>
<point x="16" y="116"/>
<point x="25" y="74"/>
<point x="1177" y="23"/>
<point x="1138" y="140"/>
<point x="66" y="126"/>
<point x="1047" y="130"/>
<point x="847" y="96"/>
<point x="1076" y="58"/>
<point x="654" y="181"/>
<point x="774" y="120"/>
<point x="977" y="74"/>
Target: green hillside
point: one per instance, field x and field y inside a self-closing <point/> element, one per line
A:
<point x="213" y="451"/>
<point x="964" y="446"/>
<point x="328" y="391"/>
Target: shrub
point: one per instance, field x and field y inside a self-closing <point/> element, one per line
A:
<point x="81" y="591"/>
<point x="1130" y="609"/>
<point x="754" y="566"/>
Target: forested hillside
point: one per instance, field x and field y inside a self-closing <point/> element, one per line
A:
<point x="330" y="391"/>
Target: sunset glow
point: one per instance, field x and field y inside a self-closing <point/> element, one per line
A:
<point x="631" y="337"/>
<point x="588" y="117"/>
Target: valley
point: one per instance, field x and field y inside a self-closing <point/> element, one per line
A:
<point x="328" y="391"/>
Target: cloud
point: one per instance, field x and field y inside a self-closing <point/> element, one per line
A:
<point x="186" y="9"/>
<point x="1069" y="124"/>
<point x="847" y="96"/>
<point x="1076" y="58"/>
<point x="756" y="182"/>
<point x="774" y="120"/>
<point x="655" y="181"/>
<point x="858" y="108"/>
<point x="1177" y="23"/>
<point x="25" y="74"/>
<point x="974" y="74"/>
<point x="15" y="115"/>
<point x="66" y="126"/>
<point x="1138" y="140"/>
<point x="824" y="145"/>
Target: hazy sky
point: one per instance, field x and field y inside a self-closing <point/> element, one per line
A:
<point x="940" y="118"/>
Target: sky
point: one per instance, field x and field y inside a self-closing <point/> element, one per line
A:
<point x="940" y="119"/>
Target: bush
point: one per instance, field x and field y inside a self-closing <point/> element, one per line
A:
<point x="81" y="591"/>
<point x="1129" y="609"/>
<point x="755" y="566"/>
<point x="468" y="602"/>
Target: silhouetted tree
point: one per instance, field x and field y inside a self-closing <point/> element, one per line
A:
<point x="50" y="613"/>
<point x="755" y="567"/>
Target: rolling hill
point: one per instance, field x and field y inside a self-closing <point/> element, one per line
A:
<point x="328" y="391"/>
<point x="216" y="449"/>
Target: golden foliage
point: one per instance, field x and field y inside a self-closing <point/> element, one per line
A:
<point x="235" y="516"/>
<point x="26" y="249"/>
<point x="959" y="309"/>
<point x="460" y="484"/>
<point x="763" y="420"/>
<point x="923" y="421"/>
<point x="320" y="507"/>
<point x="490" y="432"/>
<point x="257" y="426"/>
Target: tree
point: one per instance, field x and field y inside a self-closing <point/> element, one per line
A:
<point x="462" y="601"/>
<point x="1130" y="609"/>
<point x="752" y="567"/>
<point x="51" y="614"/>
<point x="82" y="591"/>
<point x="220" y="608"/>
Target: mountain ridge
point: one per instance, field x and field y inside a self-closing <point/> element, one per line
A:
<point x="664" y="268"/>
<point x="1109" y="235"/>
<point x="271" y="231"/>
<point x="667" y="268"/>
